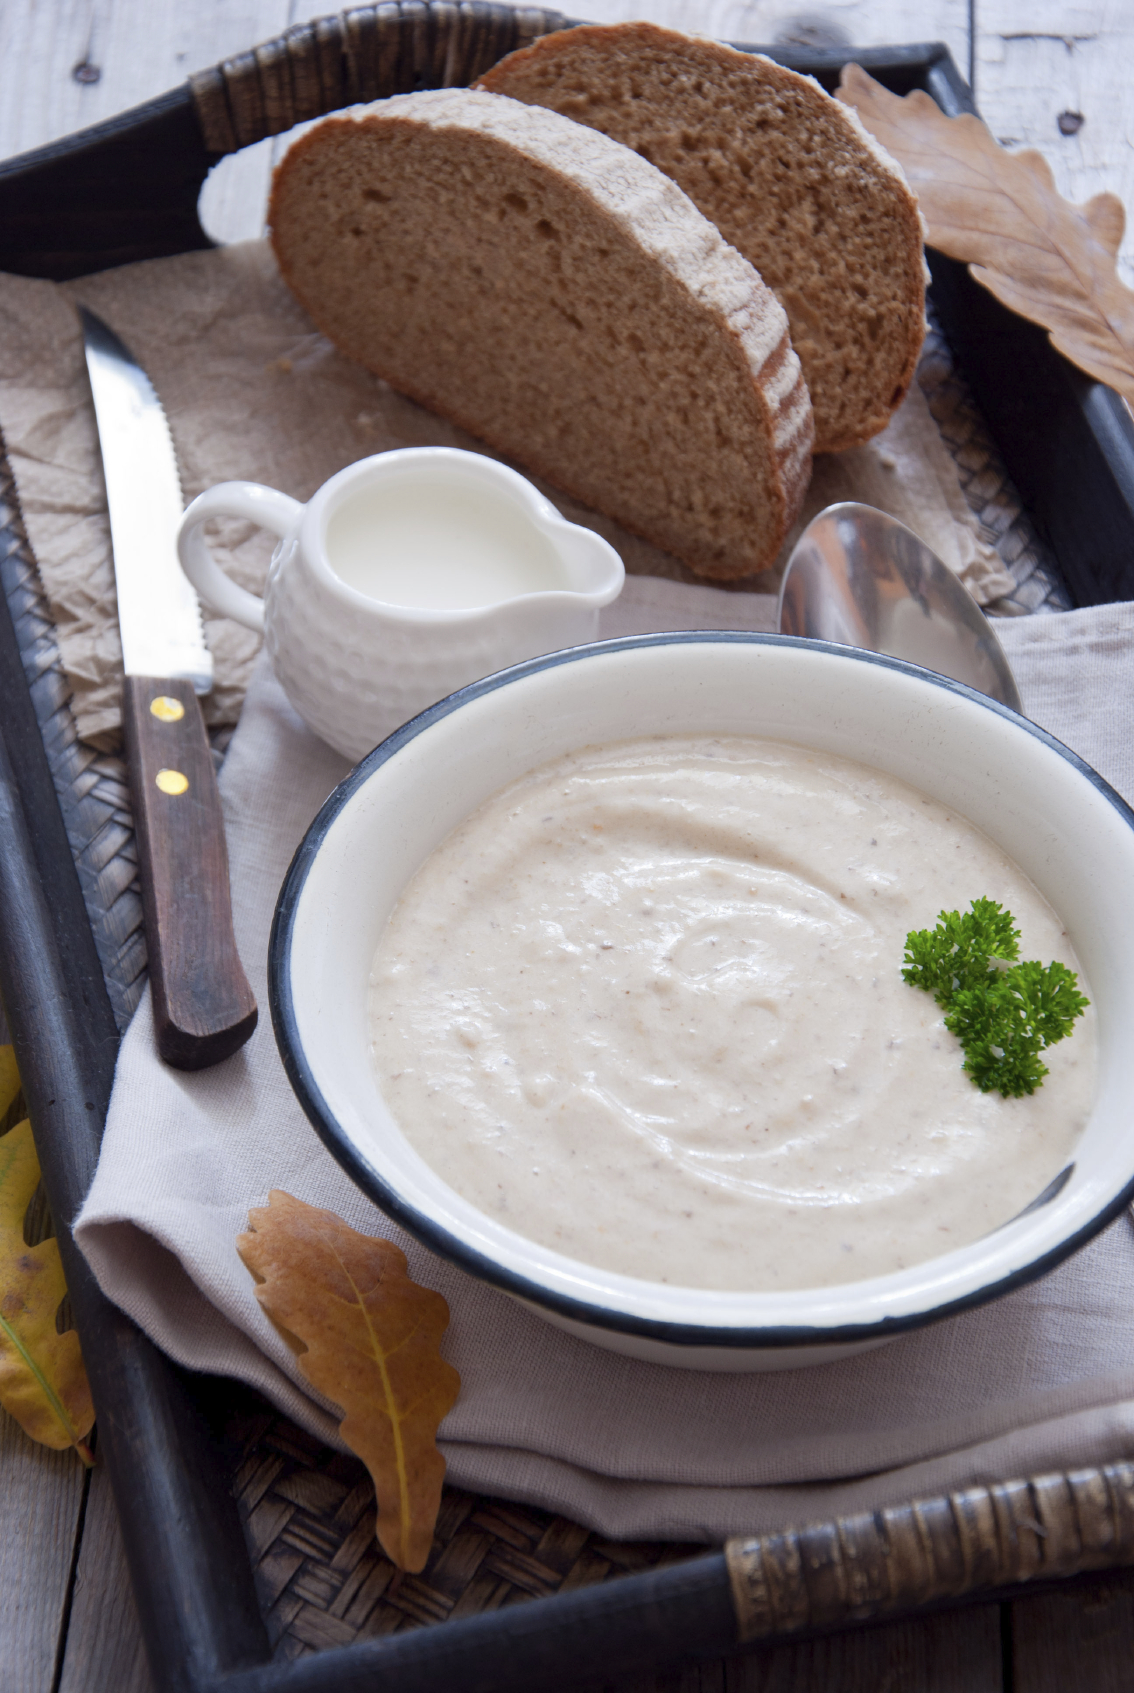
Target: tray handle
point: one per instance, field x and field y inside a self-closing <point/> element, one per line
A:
<point x="367" y="54"/>
<point x="907" y="1558"/>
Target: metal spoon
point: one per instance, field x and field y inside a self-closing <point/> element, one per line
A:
<point x="858" y="576"/>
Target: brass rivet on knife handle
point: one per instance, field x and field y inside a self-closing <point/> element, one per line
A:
<point x="167" y="709"/>
<point x="203" y="1006"/>
<point x="901" y="1559"/>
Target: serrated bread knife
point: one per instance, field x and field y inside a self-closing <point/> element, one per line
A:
<point x="203" y="1007"/>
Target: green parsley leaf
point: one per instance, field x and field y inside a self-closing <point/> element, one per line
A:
<point x="958" y="952"/>
<point x="1001" y="1046"/>
<point x="1050" y="999"/>
<point x="1004" y="1013"/>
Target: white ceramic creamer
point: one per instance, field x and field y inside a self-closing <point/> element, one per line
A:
<point x="408" y="575"/>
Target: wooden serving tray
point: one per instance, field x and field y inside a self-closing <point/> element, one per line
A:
<point x="128" y="190"/>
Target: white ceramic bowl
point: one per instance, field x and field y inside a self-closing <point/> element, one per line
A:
<point x="1056" y="817"/>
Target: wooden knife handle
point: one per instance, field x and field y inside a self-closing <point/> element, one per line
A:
<point x="203" y="1007"/>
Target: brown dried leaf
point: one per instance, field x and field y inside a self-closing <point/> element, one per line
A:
<point x="367" y="1337"/>
<point x="43" y="1383"/>
<point x="1000" y="213"/>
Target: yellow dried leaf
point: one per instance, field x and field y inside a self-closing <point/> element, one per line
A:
<point x="9" y="1079"/>
<point x="42" y="1380"/>
<point x="1000" y="213"/>
<point x="368" y="1338"/>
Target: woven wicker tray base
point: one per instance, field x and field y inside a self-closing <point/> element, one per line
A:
<point x="323" y="1581"/>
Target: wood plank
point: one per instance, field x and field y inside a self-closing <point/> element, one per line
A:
<point x="103" y="1648"/>
<point x="1066" y="58"/>
<point x="130" y="50"/>
<point x="861" y="23"/>
<point x="1083" y="1638"/>
<point x="84" y="62"/>
<point x="689" y="1678"/>
<point x="41" y="1496"/>
<point x="954" y="1652"/>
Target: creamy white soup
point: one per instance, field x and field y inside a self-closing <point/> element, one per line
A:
<point x="646" y="1006"/>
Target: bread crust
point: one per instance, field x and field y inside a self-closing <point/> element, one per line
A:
<point x="708" y="115"/>
<point x="614" y="202"/>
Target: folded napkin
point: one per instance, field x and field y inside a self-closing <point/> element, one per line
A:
<point x="1041" y="1379"/>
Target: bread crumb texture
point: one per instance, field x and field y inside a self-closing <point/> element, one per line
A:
<point x="552" y="292"/>
<point x="788" y="177"/>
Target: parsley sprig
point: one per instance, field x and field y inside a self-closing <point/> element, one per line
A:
<point x="1003" y="1012"/>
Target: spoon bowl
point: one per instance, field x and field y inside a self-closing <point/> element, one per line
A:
<point x="859" y="577"/>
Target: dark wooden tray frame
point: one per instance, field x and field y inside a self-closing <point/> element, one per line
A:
<point x="128" y="190"/>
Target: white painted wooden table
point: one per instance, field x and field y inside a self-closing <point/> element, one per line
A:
<point x="1050" y="74"/>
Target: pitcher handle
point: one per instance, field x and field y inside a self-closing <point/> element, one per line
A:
<point x="264" y="506"/>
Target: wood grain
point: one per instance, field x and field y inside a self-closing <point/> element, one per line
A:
<point x="203" y="1007"/>
<point x="1070" y="59"/>
<point x="104" y="1646"/>
<point x="75" y="64"/>
<point x="1078" y="1639"/>
<point x="87" y="61"/>
<point x="865" y="23"/>
<point x="40" y="1499"/>
<point x="959" y="1652"/>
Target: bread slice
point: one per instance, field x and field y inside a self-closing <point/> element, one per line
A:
<point x="552" y="292"/>
<point x="788" y="175"/>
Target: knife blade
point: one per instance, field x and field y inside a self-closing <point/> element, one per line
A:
<point x="204" y="1009"/>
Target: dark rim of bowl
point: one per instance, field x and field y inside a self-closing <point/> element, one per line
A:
<point x="450" y="1246"/>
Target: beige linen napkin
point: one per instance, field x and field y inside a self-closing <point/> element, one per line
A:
<point x="1041" y="1379"/>
<point x="252" y="391"/>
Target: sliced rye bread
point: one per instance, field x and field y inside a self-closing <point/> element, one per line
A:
<point x="789" y="176"/>
<point x="553" y="293"/>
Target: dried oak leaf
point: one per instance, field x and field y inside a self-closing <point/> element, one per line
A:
<point x="42" y="1380"/>
<point x="368" y="1338"/>
<point x="1000" y="213"/>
